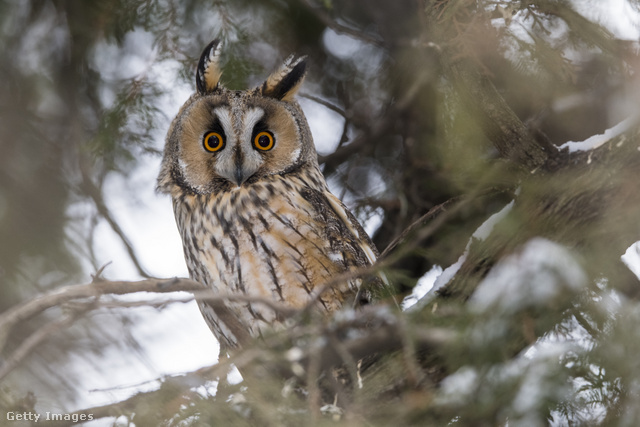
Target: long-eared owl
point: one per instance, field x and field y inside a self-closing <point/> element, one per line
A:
<point x="252" y="206"/>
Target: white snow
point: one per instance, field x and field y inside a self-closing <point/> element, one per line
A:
<point x="486" y="227"/>
<point x="596" y="141"/>
<point x="425" y="283"/>
<point x="448" y="273"/>
<point x="631" y="258"/>
<point x="445" y="276"/>
<point x="458" y="387"/>
<point x="538" y="274"/>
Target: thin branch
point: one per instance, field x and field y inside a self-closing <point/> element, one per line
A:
<point x="327" y="20"/>
<point x="382" y="126"/>
<point x="438" y="215"/>
<point x="32" y="341"/>
<point x="385" y="338"/>
<point x="415" y="374"/>
<point x="326" y="104"/>
<point x="22" y="312"/>
<point x="315" y="396"/>
<point x="420" y="222"/>
<point x="177" y="385"/>
<point x="96" y="195"/>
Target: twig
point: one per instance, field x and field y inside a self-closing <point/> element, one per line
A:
<point x="326" y="104"/>
<point x="201" y="295"/>
<point x="56" y="297"/>
<point x="384" y="339"/>
<point x="33" y="340"/>
<point x="326" y="19"/>
<point x="313" y="372"/>
<point x="415" y="374"/>
<point x="180" y="384"/>
<point x="96" y="195"/>
<point x="380" y="128"/>
<point x="434" y="211"/>
<point x="387" y="259"/>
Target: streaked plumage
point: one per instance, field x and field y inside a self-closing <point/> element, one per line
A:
<point x="253" y="209"/>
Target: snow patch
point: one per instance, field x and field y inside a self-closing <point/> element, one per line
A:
<point x="458" y="387"/>
<point x="481" y="233"/>
<point x="596" y="141"/>
<point x="631" y="258"/>
<point x="425" y="283"/>
<point x="486" y="227"/>
<point x="535" y="276"/>
<point x="449" y="272"/>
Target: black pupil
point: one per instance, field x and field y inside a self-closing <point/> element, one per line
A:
<point x="263" y="141"/>
<point x="214" y="141"/>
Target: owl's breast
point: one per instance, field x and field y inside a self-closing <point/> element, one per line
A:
<point x="276" y="240"/>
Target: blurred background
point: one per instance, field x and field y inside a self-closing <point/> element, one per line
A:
<point x="89" y="88"/>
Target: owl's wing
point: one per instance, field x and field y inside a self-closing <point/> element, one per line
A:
<point x="354" y="227"/>
<point x="359" y="236"/>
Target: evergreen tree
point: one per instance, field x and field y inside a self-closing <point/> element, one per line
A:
<point x="459" y="127"/>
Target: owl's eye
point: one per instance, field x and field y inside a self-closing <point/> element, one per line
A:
<point x="264" y="141"/>
<point x="213" y="142"/>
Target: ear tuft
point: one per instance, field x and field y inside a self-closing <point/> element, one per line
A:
<point x="208" y="72"/>
<point x="284" y="83"/>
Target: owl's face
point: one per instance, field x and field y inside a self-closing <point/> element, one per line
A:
<point x="222" y="139"/>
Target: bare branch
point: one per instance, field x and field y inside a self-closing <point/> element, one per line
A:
<point x="96" y="195"/>
<point x="326" y="104"/>
<point x="380" y="128"/>
<point x="420" y="222"/>
<point x="56" y="297"/>
<point x="173" y="386"/>
<point x="383" y="339"/>
<point x="327" y="20"/>
<point x="31" y="342"/>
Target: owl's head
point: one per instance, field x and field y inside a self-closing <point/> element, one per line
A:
<point x="224" y="139"/>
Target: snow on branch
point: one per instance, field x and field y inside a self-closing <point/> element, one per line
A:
<point x="481" y="233"/>
<point x="534" y="277"/>
<point x="596" y="141"/>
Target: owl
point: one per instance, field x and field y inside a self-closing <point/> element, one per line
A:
<point x="253" y="209"/>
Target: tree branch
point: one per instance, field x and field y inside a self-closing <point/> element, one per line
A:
<point x="314" y="359"/>
<point x="501" y="125"/>
<point x="96" y="195"/>
<point x="32" y="341"/>
<point x="59" y="296"/>
<point x="380" y="128"/>
<point x="326" y="19"/>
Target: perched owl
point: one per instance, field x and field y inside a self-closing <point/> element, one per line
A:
<point x="253" y="209"/>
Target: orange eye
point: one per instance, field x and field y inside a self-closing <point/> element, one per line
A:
<point x="213" y="142"/>
<point x="264" y="141"/>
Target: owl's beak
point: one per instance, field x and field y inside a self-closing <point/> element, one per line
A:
<point x="239" y="175"/>
<point x="243" y="169"/>
<point x="239" y="168"/>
